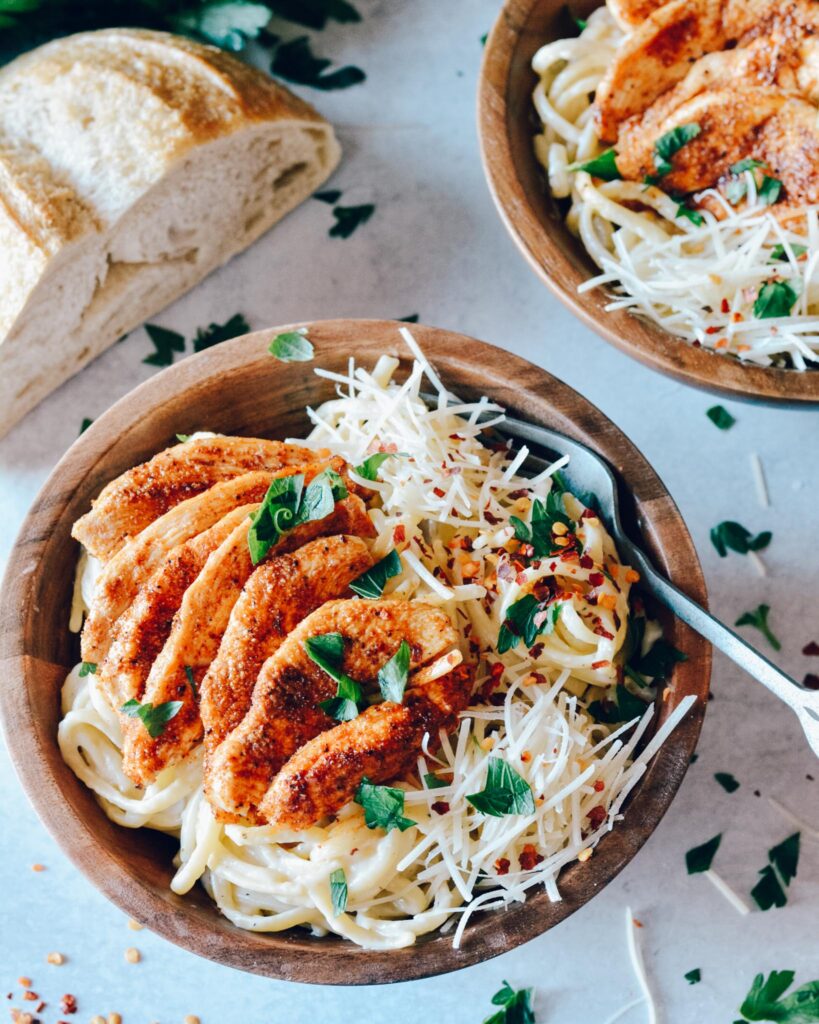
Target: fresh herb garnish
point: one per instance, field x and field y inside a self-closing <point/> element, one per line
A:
<point x="413" y="318"/>
<point x="763" y="1001"/>
<point x="768" y="891"/>
<point x="166" y="342"/>
<point x="291" y="347"/>
<point x="433" y="782"/>
<point x="383" y="806"/>
<point x="505" y="792"/>
<point x="770" y="190"/>
<point x="699" y="858"/>
<point x="729" y="534"/>
<point x="727" y="781"/>
<point x="720" y="417"/>
<point x="602" y="166"/>
<point x="526" y="620"/>
<point x="183" y="438"/>
<point x="777" y="874"/>
<point x="758" y="618"/>
<point x="288" y="504"/>
<point x="672" y="142"/>
<point x="295" y="62"/>
<point x="207" y="337"/>
<point x="392" y="677"/>
<point x="779" y="252"/>
<point x="581" y="23"/>
<point x="370" y="584"/>
<point x="330" y="196"/>
<point x="226" y="23"/>
<point x="348" y="218"/>
<point x="748" y="164"/>
<point x="544" y="516"/>
<point x="327" y="651"/>
<point x="693" y="215"/>
<point x="370" y="466"/>
<point x="191" y="682"/>
<point x="775" y="298"/>
<point x="86" y="423"/>
<point x="315" y="13"/>
<point x="88" y="668"/>
<point x="338" y="891"/>
<point x="516" y="1006"/>
<point x="153" y="718"/>
<point x="623" y="708"/>
<point x="692" y="977"/>
<point x="659" y="660"/>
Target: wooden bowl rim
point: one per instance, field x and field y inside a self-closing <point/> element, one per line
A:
<point x="196" y="925"/>
<point x="534" y="237"/>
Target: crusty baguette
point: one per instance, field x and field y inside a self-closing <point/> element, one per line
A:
<point x="132" y="163"/>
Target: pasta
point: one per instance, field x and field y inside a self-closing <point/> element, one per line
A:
<point x="698" y="281"/>
<point x="445" y="500"/>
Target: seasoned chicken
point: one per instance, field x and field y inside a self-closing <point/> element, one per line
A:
<point x="140" y="633"/>
<point x="197" y="631"/>
<point x="285" y="712"/>
<point x="279" y="594"/>
<point x="136" y="498"/>
<point x="382" y="744"/>
<point x="632" y="12"/>
<point x="133" y="564"/>
<point x="789" y="145"/>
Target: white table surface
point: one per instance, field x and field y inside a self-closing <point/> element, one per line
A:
<point x="435" y="246"/>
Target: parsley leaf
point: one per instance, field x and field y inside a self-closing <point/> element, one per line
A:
<point x="505" y="792"/>
<point x="338" y="891"/>
<point x="287" y="504"/>
<point x="699" y="858"/>
<point x="727" y="781"/>
<point x="667" y="145"/>
<point x="207" y="337"/>
<point x="370" y="584"/>
<point x="327" y="651"/>
<point x="516" y="1006"/>
<point x="623" y="708"/>
<point x="659" y="661"/>
<point x="183" y="438"/>
<point x="166" y="342"/>
<point x="525" y="620"/>
<point x="191" y="682"/>
<point x="544" y="516"/>
<point x="315" y="13"/>
<point x="291" y="347"/>
<point x="763" y="1001"/>
<point x="720" y="417"/>
<point x="729" y="534"/>
<point x="392" y="677"/>
<point x="348" y="218"/>
<point x="581" y="23"/>
<point x="383" y="806"/>
<point x="331" y="196"/>
<point x="779" y="252"/>
<point x="226" y="23"/>
<point x="768" y="891"/>
<point x="433" y="782"/>
<point x="603" y="166"/>
<point x="88" y="668"/>
<point x="86" y="423"/>
<point x="411" y="319"/>
<point x="370" y="466"/>
<point x="775" y="298"/>
<point x="748" y="164"/>
<point x="348" y="702"/>
<point x="295" y="62"/>
<point x="758" y="618"/>
<point x="693" y="215"/>
<point x="769" y="191"/>
<point x="692" y="977"/>
<point x="153" y="718"/>
<point x="785" y="857"/>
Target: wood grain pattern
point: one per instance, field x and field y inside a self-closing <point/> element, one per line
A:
<point x="238" y="388"/>
<point x="507" y="125"/>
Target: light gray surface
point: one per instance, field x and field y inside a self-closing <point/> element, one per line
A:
<point x="436" y="246"/>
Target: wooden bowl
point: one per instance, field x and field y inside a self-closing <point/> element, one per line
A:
<point x="508" y="123"/>
<point x="238" y="388"/>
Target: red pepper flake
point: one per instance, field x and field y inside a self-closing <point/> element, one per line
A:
<point x="529" y="858"/>
<point x="597" y="815"/>
<point x="552" y="566"/>
<point x="725" y="306"/>
<point x="441" y="807"/>
<point x="502" y="866"/>
<point x="599" y="786"/>
<point x="586" y="562"/>
<point x="712" y="330"/>
<point x="811" y="682"/>
<point x="68" y="1003"/>
<point x="600" y="631"/>
<point x="600" y="664"/>
<point x="521" y="493"/>
<point x="811" y="650"/>
<point x="439" y="492"/>
<point x="520" y="579"/>
<point x="399" y="534"/>
<point x="492" y="520"/>
<point x="526" y="550"/>
<point x="30" y="996"/>
<point x="497" y="700"/>
<point x="536" y="651"/>
<point x="596" y="579"/>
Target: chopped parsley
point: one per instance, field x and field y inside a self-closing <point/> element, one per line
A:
<point x="659" y="661"/>
<point x="411" y="319"/>
<point x="207" y="337"/>
<point x="291" y="347"/>
<point x="370" y="584"/>
<point x="295" y="62"/>
<point x="779" y="252"/>
<point x="348" y="218"/>
<point x="526" y="620"/>
<point x="693" y="215"/>
<point x="775" y="298"/>
<point x="734" y="536"/>
<point x="692" y="977"/>
<point x="544" y="517"/>
<point x="327" y="651"/>
<point x="515" y="1006"/>
<point x="602" y="166"/>
<point x="226" y="23"/>
<point x="370" y="466"/>
<point x="672" y="142"/>
<point x="191" y="682"/>
<point x="433" y="782"/>
<point x="166" y="342"/>
<point x="383" y="806"/>
<point x="770" y="190"/>
<point x="330" y="195"/>
<point x="758" y="618"/>
<point x="727" y="781"/>
<point x="392" y="677"/>
<point x="315" y="13"/>
<point x="505" y="792"/>
<point x="764" y="1001"/>
<point x="581" y="23"/>
<point x="748" y="164"/>
<point x="622" y="708"/>
<point x="720" y="417"/>
<point x="153" y="718"/>
<point x="699" y="858"/>
<point x="288" y="504"/>
<point x="777" y="874"/>
<point x="338" y="891"/>
<point x="183" y="438"/>
<point x="88" y="668"/>
<point x="86" y="423"/>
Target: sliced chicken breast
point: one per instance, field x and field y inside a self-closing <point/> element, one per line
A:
<point x="136" y="498"/>
<point x="628" y="13"/>
<point x="285" y="712"/>
<point x="197" y="631"/>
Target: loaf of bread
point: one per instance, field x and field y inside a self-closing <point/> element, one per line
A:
<point x="132" y="164"/>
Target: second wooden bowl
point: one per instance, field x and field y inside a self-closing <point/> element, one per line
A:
<point x="507" y="124"/>
<point x="238" y="388"/>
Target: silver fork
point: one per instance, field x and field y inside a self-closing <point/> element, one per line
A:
<point x="587" y="471"/>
